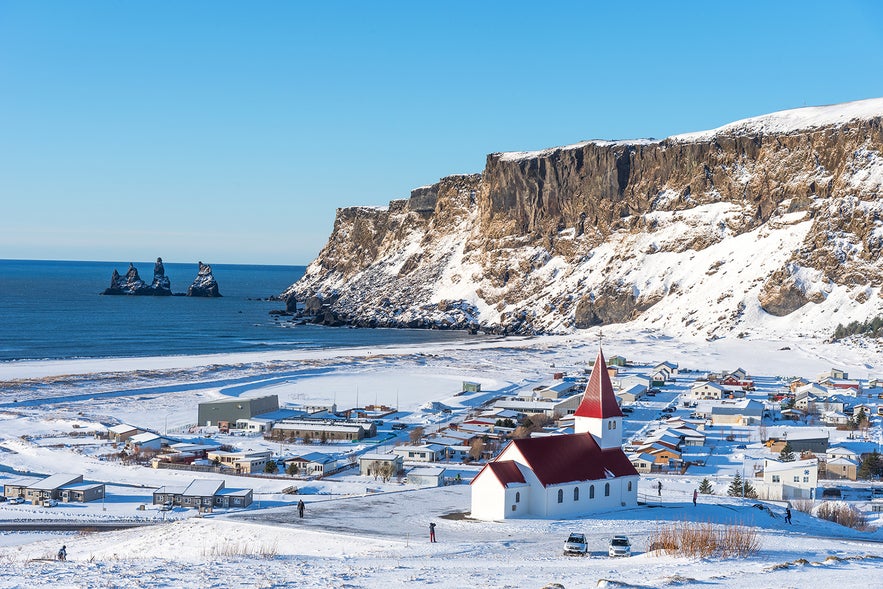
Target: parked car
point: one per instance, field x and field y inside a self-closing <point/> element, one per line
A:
<point x="576" y="544"/>
<point x="619" y="546"/>
<point x="399" y="426"/>
<point x="17" y="500"/>
<point x="49" y="503"/>
<point x="167" y="506"/>
<point x="2" y="498"/>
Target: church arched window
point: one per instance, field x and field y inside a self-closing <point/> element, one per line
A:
<point x="591" y="491"/>
<point x="518" y="494"/>
<point x="560" y="495"/>
<point x="576" y="493"/>
<point x="630" y="485"/>
<point x="614" y="424"/>
<point x="607" y="489"/>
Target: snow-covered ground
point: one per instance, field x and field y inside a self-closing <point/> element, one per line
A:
<point x="351" y="537"/>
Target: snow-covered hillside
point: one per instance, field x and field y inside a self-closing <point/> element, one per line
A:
<point x="760" y="227"/>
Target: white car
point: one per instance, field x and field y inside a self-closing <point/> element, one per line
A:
<point x="49" y="503"/>
<point x="619" y="546"/>
<point x="16" y="501"/>
<point x="576" y="544"/>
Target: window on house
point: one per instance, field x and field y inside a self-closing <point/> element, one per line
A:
<point x="513" y="507"/>
<point x="797" y="479"/>
<point x="630" y="485"/>
<point x="591" y="491"/>
<point x="576" y="493"/>
<point x="614" y="424"/>
<point x="517" y="496"/>
<point x="775" y="478"/>
<point x="805" y="479"/>
<point x="560" y="495"/>
<point x="607" y="489"/>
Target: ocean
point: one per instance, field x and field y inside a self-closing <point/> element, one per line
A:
<point x="53" y="310"/>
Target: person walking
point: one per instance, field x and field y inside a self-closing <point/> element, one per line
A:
<point x="787" y="515"/>
<point x="695" y="496"/>
<point x="62" y="553"/>
<point x="659" y="488"/>
<point x="432" y="532"/>
<point x="300" y="508"/>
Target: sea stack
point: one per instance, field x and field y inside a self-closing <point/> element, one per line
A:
<point x="205" y="284"/>
<point x="161" y="283"/>
<point x="131" y="283"/>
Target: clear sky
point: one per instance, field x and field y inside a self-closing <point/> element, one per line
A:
<point x="230" y="132"/>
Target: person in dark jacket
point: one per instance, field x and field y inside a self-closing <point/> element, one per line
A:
<point x="62" y="553"/>
<point x="787" y="515"/>
<point x="432" y="532"/>
<point x="300" y="508"/>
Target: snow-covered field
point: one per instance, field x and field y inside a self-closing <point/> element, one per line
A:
<point x="353" y="538"/>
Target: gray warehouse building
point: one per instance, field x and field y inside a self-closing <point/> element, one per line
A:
<point x="215" y="412"/>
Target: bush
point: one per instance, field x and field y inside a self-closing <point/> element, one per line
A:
<point x="842" y="514"/>
<point x="703" y="540"/>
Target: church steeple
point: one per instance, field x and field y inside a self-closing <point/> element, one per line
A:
<point x="599" y="413"/>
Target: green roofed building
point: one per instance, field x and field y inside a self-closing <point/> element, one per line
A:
<point x="214" y="412"/>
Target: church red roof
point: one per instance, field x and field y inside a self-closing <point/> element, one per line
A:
<point x="506" y="471"/>
<point x="599" y="400"/>
<point x="570" y="458"/>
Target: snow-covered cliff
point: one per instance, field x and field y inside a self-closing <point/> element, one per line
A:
<point x="766" y="225"/>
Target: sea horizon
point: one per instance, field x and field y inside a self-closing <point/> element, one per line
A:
<point x="53" y="310"/>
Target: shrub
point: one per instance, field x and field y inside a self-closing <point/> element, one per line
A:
<point x="691" y="539"/>
<point x="842" y="514"/>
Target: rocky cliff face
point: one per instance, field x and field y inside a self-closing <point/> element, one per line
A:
<point x="767" y="224"/>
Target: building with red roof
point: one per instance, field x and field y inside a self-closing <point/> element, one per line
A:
<point x="565" y="475"/>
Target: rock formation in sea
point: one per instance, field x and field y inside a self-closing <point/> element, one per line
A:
<point x="131" y="283"/>
<point x="205" y="284"/>
<point x="769" y="225"/>
<point x="161" y="282"/>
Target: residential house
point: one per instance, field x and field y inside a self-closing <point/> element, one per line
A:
<point x="421" y="453"/>
<point x="427" y="476"/>
<point x="616" y="361"/>
<point x="801" y="439"/>
<point x="642" y="462"/>
<point x="375" y="464"/>
<point x="145" y="441"/>
<point x="744" y="412"/>
<point x="314" y="464"/>
<point x="630" y="395"/>
<point x="783" y="481"/>
<point x="707" y="390"/>
<point x="842" y="468"/>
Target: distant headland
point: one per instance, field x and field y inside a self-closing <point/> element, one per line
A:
<point x="130" y="283"/>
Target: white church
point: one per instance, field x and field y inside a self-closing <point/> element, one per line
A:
<point x="566" y="475"/>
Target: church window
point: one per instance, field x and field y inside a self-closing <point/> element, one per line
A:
<point x="609" y="423"/>
<point x="591" y="491"/>
<point x="614" y="424"/>
<point x="630" y="485"/>
<point x="513" y="507"/>
<point x="576" y="493"/>
<point x="560" y="495"/>
<point x="607" y="489"/>
<point x="518" y="496"/>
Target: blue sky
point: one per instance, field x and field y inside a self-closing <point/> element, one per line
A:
<point x="230" y="132"/>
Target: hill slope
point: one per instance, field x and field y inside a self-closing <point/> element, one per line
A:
<point x="766" y="225"/>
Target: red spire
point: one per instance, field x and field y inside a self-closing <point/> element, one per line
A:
<point x="599" y="400"/>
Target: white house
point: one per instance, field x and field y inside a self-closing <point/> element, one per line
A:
<point x="564" y="475"/>
<point x="426" y="476"/>
<point x="782" y="481"/>
<point x="707" y="390"/>
<point x="423" y="453"/>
